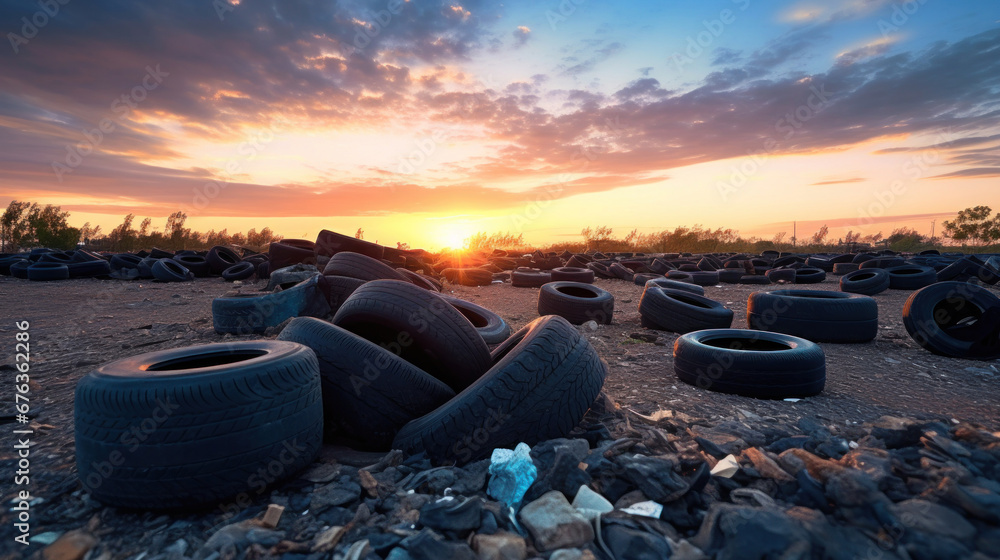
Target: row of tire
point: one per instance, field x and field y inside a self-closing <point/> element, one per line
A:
<point x="398" y="366"/>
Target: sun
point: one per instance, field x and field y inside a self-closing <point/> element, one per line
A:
<point x="452" y="235"/>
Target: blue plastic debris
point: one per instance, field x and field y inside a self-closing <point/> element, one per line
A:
<point x="511" y="474"/>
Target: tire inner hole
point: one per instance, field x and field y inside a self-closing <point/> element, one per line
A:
<point x="206" y="360"/>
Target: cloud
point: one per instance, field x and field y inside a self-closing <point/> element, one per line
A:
<point x="841" y="181"/>
<point x="521" y="35"/>
<point x="977" y="172"/>
<point x="578" y="66"/>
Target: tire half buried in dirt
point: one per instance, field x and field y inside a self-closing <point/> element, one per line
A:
<point x="419" y="326"/>
<point x="954" y="319"/>
<point x="753" y="364"/>
<point x="369" y="393"/>
<point x="544" y="379"/>
<point x="816" y="315"/>
<point x="576" y="302"/>
<point x="192" y="426"/>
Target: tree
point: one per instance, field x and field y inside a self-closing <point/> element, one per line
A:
<point x="820" y="235"/>
<point x="779" y="237"/>
<point x="123" y="237"/>
<point x="14" y="226"/>
<point x="144" y="227"/>
<point x="596" y="236"/>
<point x="50" y="228"/>
<point x="974" y="225"/>
<point x="360" y="234"/>
<point x="905" y="239"/>
<point x="851" y="237"/>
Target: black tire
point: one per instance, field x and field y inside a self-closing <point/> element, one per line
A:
<point x="169" y="270"/>
<point x="468" y="276"/>
<point x="264" y="270"/>
<point x="89" y="269"/>
<point x="488" y="324"/>
<point x="842" y="268"/>
<point x="935" y="317"/>
<point x="883" y="262"/>
<point x="330" y="243"/>
<point x="577" y="302"/>
<point x="221" y="258"/>
<point x="965" y="269"/>
<point x="821" y="263"/>
<point x="421" y="280"/>
<point x="731" y="276"/>
<point x="911" y="277"/>
<point x="253" y="313"/>
<point x="544" y="379"/>
<point x="641" y="278"/>
<point x="369" y="393"/>
<point x="621" y="271"/>
<point x="705" y="278"/>
<point x="124" y="260"/>
<point x="338" y="289"/>
<point x="531" y="278"/>
<point x="146" y="267"/>
<point x="43" y="271"/>
<point x="239" y="271"/>
<point x="86" y="256"/>
<point x="58" y="257"/>
<point x="196" y="264"/>
<point x="418" y="325"/>
<point x="809" y="275"/>
<point x="868" y="281"/>
<point x="753" y="364"/>
<point x="160" y="253"/>
<point x="19" y="269"/>
<point x="816" y="315"/>
<point x="776" y="275"/>
<point x="291" y="251"/>
<point x="362" y="267"/>
<point x="680" y="276"/>
<point x="755" y="280"/>
<point x="601" y="270"/>
<point x="191" y="426"/>
<point x="679" y="311"/>
<point x="675" y="285"/>
<point x="572" y="274"/>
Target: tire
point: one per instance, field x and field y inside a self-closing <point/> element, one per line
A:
<point x="362" y="267"/>
<point x="89" y="269"/>
<point x="705" y="278"/>
<point x="816" y="315"/>
<point x="911" y="277"/>
<point x="809" y="275"/>
<point x="253" y="314"/>
<point x="219" y="414"/>
<point x="621" y="271"/>
<point x="576" y="302"/>
<point x="196" y="264"/>
<point x="421" y="280"/>
<point x="840" y="269"/>
<point x="935" y="317"/>
<point x="488" y="324"/>
<point x="679" y="311"/>
<point x="19" y="269"/>
<point x="221" y="258"/>
<point x="531" y="278"/>
<point x="731" y="276"/>
<point x="869" y="281"/>
<point x="572" y="274"/>
<point x="883" y="262"/>
<point x="169" y="270"/>
<point x="753" y="364"/>
<point x="675" y="285"/>
<point x="680" y="276"/>
<point x="239" y="271"/>
<point x="776" y="275"/>
<point x="146" y="268"/>
<point x="601" y="270"/>
<point x="468" y="276"/>
<point x="43" y="271"/>
<point x="544" y="379"/>
<point x="329" y="243"/>
<point x="418" y="325"/>
<point x="755" y="280"/>
<point x="264" y="270"/>
<point x="369" y="393"/>
<point x="965" y="269"/>
<point x="338" y="289"/>
<point x="290" y="251"/>
<point x="58" y="257"/>
<point x="822" y="263"/>
<point x="124" y="260"/>
<point x="160" y="253"/>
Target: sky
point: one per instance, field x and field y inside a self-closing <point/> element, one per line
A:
<point x="425" y="121"/>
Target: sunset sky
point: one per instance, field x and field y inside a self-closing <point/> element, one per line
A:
<point x="427" y="121"/>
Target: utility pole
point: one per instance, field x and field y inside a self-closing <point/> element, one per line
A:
<point x="794" y="234"/>
<point x="932" y="228"/>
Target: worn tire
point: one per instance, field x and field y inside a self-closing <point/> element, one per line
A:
<point x="169" y="270"/>
<point x="290" y="251"/>
<point x="930" y="313"/>
<point x="809" y="275"/>
<point x="529" y="278"/>
<point x="221" y="258"/>
<point x="421" y="280"/>
<point x="868" y="281"/>
<point x="601" y="270"/>
<point x="681" y="312"/>
<point x="911" y="277"/>
<point x="339" y="288"/>
<point x="239" y="271"/>
<point x="48" y="270"/>
<point x="731" y="276"/>
<point x="329" y="243"/>
<point x="254" y="313"/>
<point x="125" y="260"/>
<point x="675" y="285"/>
<point x="816" y="315"/>
<point x="882" y="262"/>
<point x="544" y="379"/>
<point x="577" y="302"/>
<point x="89" y="269"/>
<point x="418" y="325"/>
<point x="193" y="426"/>
<point x="197" y="264"/>
<point x="468" y="276"/>
<point x="841" y="268"/>
<point x="369" y="393"/>
<point x="488" y="324"/>
<point x="572" y="274"/>
<point x="753" y="364"/>
<point x="621" y="271"/>
<point x="362" y="267"/>
<point x="705" y="278"/>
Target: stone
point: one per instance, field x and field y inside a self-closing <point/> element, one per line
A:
<point x="272" y="516"/>
<point x="426" y="545"/>
<point x="731" y="532"/>
<point x="564" y="475"/>
<point x="238" y="536"/>
<point x="512" y="474"/>
<point x="500" y="546"/>
<point x="633" y="544"/>
<point x="590" y="504"/>
<point x="876" y="463"/>
<point x="654" y="476"/>
<point x="766" y="466"/>
<point x="897" y="432"/>
<point x="554" y="524"/>
<point x="72" y="545"/>
<point x="342" y="492"/>
<point x="794" y="460"/>
<point x="450" y="514"/>
<point x="925" y="516"/>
